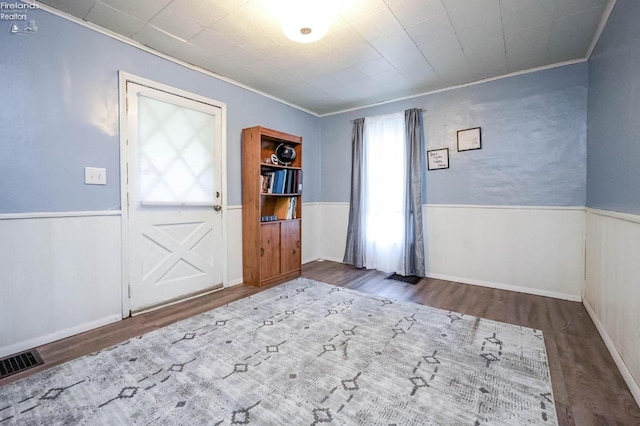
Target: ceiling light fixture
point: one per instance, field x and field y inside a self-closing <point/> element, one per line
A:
<point x="306" y="21"/>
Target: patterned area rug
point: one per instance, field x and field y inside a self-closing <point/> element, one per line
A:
<point x="302" y="353"/>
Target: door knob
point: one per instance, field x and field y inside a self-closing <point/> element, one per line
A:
<point x="217" y="207"/>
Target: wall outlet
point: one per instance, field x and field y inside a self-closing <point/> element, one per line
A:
<point x="95" y="176"/>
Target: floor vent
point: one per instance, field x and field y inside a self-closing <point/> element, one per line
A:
<point x="411" y="279"/>
<point x="19" y="362"/>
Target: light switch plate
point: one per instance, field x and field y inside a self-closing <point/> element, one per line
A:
<point x="95" y="176"/>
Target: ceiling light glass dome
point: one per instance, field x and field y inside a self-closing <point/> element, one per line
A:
<point x="306" y="21"/>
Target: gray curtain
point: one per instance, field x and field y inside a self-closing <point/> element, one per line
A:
<point x="414" y="247"/>
<point x="354" y="252"/>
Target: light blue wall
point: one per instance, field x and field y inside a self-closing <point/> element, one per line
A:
<point x="59" y="113"/>
<point x="613" y="165"/>
<point x="533" y="141"/>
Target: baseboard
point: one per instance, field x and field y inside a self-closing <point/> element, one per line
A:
<point x="509" y="287"/>
<point x="42" y="340"/>
<point x="527" y="290"/>
<point x="311" y="259"/>
<point x="626" y="374"/>
<point x="331" y="259"/>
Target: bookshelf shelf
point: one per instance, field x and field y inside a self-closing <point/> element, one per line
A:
<point x="271" y="208"/>
<point x="275" y="166"/>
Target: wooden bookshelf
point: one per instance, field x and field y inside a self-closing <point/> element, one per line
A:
<point x="271" y="250"/>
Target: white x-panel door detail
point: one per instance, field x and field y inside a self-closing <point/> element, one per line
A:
<point x="178" y="251"/>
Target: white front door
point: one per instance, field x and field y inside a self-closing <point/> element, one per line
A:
<point x="174" y="171"/>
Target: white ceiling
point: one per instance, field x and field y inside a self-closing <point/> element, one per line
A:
<point x="376" y="50"/>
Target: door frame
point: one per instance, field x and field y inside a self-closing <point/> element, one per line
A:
<point x="123" y="79"/>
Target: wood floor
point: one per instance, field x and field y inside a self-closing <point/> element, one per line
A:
<point x="587" y="385"/>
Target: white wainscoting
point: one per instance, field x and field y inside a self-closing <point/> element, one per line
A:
<point x="61" y="275"/>
<point x="234" y="245"/>
<point x="531" y="250"/>
<point x="62" y="271"/>
<point x="335" y="221"/>
<point x="612" y="291"/>
<point x="536" y="250"/>
<point x="311" y="231"/>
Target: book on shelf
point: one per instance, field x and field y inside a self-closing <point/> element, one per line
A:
<point x="291" y="175"/>
<point x="297" y="185"/>
<point x="285" y="208"/>
<point x="284" y="181"/>
<point x="285" y="189"/>
<point x="266" y="182"/>
<point x="278" y="181"/>
<point x="291" y="212"/>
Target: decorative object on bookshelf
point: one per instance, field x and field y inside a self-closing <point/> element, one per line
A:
<point x="285" y="154"/>
<point x="271" y="205"/>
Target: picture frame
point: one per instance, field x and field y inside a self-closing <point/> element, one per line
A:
<point x="438" y="159"/>
<point x="469" y="139"/>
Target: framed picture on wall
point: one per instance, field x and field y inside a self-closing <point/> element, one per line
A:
<point x="438" y="159"/>
<point x="469" y="139"/>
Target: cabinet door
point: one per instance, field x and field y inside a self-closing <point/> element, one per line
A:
<point x="291" y="247"/>
<point x="269" y="250"/>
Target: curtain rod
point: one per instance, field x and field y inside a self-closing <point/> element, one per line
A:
<point x="419" y="109"/>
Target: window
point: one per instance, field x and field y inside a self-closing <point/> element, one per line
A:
<point x="384" y="193"/>
<point x="385" y="214"/>
<point x="176" y="158"/>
